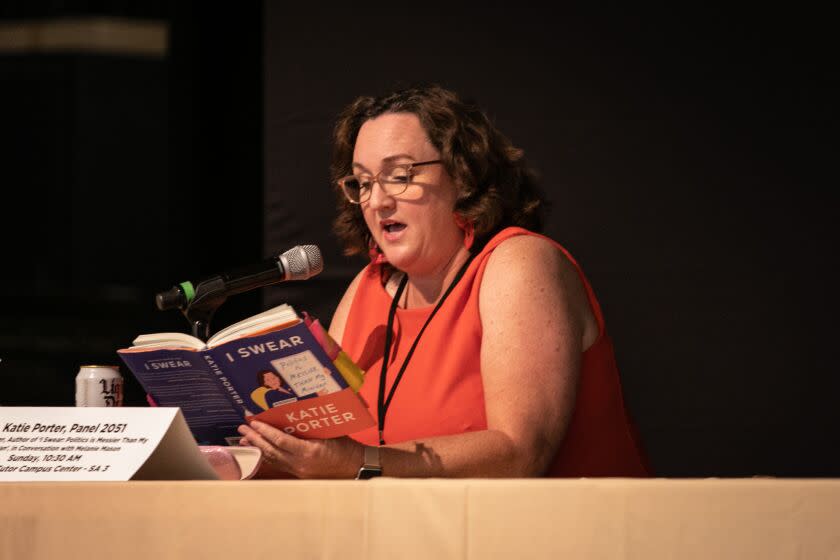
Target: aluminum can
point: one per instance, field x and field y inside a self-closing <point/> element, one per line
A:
<point x="99" y="386"/>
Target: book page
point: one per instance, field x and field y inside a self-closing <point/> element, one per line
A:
<point x="168" y="339"/>
<point x="276" y="316"/>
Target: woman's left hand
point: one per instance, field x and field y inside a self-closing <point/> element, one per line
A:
<point x="304" y="458"/>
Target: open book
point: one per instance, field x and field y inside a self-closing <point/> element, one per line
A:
<point x="275" y="367"/>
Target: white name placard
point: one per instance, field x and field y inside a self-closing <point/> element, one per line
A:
<point x="98" y="443"/>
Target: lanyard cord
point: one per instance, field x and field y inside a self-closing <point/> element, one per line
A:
<point x="382" y="404"/>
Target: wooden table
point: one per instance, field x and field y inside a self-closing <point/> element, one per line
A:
<point x="436" y="519"/>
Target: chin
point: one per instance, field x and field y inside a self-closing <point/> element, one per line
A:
<point x="399" y="259"/>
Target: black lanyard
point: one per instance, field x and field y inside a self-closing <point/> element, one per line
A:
<point x="382" y="404"/>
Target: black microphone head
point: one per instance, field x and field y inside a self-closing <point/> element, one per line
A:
<point x="302" y="262"/>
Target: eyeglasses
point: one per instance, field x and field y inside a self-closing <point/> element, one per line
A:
<point x="394" y="180"/>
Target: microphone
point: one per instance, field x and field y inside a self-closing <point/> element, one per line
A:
<point x="298" y="263"/>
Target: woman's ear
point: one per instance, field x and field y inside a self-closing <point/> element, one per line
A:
<point x="468" y="229"/>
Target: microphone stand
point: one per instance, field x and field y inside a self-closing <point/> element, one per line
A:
<point x="200" y="326"/>
<point x="298" y="263"/>
<point x="209" y="295"/>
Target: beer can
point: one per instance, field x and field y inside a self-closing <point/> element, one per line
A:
<point x="99" y="386"/>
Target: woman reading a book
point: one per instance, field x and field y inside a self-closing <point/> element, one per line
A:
<point x="484" y="346"/>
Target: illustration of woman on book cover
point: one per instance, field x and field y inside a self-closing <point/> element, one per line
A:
<point x="272" y="390"/>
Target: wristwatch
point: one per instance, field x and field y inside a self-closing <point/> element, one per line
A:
<point x="371" y="467"/>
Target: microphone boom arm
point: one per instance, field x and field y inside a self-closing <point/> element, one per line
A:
<point x="198" y="305"/>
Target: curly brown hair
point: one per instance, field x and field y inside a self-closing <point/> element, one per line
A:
<point x="496" y="188"/>
<point x="261" y="377"/>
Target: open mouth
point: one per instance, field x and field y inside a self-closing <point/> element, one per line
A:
<point x="393" y="227"/>
<point x="392" y="230"/>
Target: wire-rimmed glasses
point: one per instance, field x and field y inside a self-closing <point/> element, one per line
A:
<point x="394" y="179"/>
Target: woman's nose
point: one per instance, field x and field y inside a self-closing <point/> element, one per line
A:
<point x="379" y="198"/>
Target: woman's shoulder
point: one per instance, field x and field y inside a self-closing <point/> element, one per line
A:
<point x="526" y="265"/>
<point x="526" y="251"/>
<point x="516" y="238"/>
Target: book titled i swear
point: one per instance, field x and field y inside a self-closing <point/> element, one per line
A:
<point x="275" y="367"/>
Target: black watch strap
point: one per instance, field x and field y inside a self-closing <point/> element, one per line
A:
<point x="371" y="467"/>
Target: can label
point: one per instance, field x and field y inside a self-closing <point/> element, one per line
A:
<point x="99" y="386"/>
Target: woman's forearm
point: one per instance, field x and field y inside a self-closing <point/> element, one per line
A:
<point x="486" y="453"/>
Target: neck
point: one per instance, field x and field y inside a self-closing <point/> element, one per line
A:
<point x="427" y="289"/>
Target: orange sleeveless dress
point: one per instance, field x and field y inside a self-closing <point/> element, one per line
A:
<point x="441" y="392"/>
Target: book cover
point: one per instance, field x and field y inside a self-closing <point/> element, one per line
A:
<point x="265" y="368"/>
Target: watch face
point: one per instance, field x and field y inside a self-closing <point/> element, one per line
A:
<point x="366" y="473"/>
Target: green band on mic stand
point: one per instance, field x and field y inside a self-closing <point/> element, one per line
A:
<point x="189" y="291"/>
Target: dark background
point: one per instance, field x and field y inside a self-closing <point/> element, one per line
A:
<point x="687" y="161"/>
